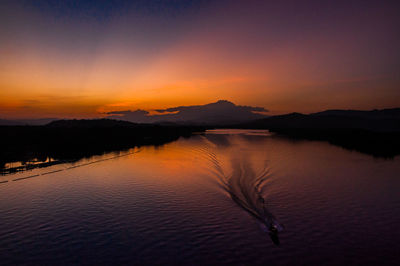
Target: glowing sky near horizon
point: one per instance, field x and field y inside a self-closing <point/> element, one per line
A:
<point x="84" y="58"/>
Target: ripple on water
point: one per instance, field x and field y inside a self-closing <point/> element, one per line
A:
<point x="163" y="205"/>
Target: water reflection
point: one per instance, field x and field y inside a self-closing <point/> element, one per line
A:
<point x="65" y="165"/>
<point x="202" y="200"/>
<point x="244" y="181"/>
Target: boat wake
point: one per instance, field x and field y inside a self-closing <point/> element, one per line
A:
<point x="247" y="188"/>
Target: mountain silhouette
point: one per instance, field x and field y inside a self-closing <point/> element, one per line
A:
<point x="221" y="112"/>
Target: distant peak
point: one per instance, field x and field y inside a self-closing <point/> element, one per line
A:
<point x="224" y="102"/>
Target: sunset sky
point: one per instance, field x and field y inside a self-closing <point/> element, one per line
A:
<point x="86" y="58"/>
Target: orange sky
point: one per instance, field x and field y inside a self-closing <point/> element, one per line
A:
<point x="281" y="57"/>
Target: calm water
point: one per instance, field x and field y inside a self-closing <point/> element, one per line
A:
<point x="209" y="199"/>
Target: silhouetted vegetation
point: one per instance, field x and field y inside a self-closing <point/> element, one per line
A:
<point x="374" y="132"/>
<point x="69" y="140"/>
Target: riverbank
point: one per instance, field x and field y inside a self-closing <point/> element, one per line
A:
<point x="69" y="140"/>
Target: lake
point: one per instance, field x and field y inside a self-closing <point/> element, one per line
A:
<point x="243" y="197"/>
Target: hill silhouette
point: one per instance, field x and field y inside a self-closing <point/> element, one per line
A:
<point x="221" y="112"/>
<point x="93" y="123"/>
<point x="375" y="132"/>
<point x="26" y="122"/>
<point x="386" y="120"/>
<point x="71" y="140"/>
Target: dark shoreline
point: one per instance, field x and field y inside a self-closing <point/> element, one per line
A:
<point x="72" y="140"/>
<point x="375" y="133"/>
<point x="377" y="144"/>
